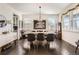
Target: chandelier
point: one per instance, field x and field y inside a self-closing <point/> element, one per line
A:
<point x="40" y="13"/>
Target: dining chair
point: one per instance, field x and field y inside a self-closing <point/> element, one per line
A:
<point x="40" y="38"/>
<point x="31" y="38"/>
<point x="50" y="39"/>
<point x="77" y="43"/>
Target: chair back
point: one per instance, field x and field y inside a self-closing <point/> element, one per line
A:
<point x="40" y="36"/>
<point x="50" y="37"/>
<point x="31" y="37"/>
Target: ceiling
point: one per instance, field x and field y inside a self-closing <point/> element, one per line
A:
<point x="33" y="8"/>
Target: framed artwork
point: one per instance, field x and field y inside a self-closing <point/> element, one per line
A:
<point x="39" y="24"/>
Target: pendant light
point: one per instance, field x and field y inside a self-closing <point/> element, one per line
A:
<point x="40" y="13"/>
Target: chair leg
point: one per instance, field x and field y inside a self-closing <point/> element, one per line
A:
<point x="37" y="47"/>
<point x="28" y="51"/>
<point x="48" y="46"/>
<point x="0" y="50"/>
<point x="76" y="49"/>
<point x="44" y="46"/>
<point x="34" y="47"/>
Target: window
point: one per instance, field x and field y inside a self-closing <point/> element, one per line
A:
<point x="76" y="21"/>
<point x="52" y="22"/>
<point x="71" y="21"/>
<point x="15" y="20"/>
<point x="66" y="22"/>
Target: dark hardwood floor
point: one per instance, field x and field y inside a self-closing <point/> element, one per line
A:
<point x="60" y="47"/>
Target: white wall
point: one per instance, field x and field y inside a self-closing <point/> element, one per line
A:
<point x="6" y="11"/>
<point x="46" y="17"/>
<point x="70" y="36"/>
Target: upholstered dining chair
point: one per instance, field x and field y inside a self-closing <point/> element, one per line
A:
<point x="77" y="43"/>
<point x="40" y="36"/>
<point x="31" y="38"/>
<point x="41" y="39"/>
<point x="50" y="39"/>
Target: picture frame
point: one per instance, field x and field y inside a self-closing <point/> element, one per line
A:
<point x="39" y="24"/>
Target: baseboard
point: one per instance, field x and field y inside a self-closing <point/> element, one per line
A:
<point x="69" y="43"/>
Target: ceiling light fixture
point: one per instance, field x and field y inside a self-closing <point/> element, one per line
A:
<point x="40" y="13"/>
